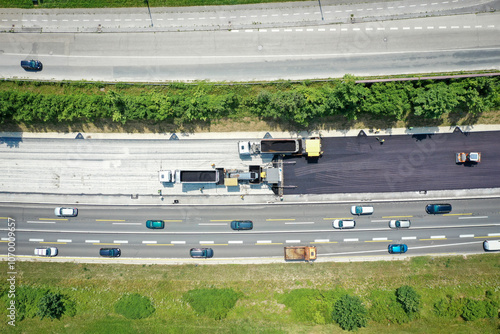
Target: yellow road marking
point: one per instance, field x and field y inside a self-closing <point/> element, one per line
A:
<point x="277" y="219"/>
<point x="110" y="220"/>
<point x="397" y="217"/>
<point x="4" y="217"/>
<point x="52" y="218"/>
<point x="324" y="242"/>
<point x="458" y="214"/>
<point x="48" y="242"/>
<point x="435" y="239"/>
<point x="489" y="236"/>
<point x="159" y="244"/>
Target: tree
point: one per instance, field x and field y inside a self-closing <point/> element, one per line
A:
<point x="51" y="305"/>
<point x="409" y="299"/>
<point x="349" y="313"/>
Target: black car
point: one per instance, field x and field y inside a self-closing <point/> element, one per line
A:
<point x="242" y="225"/>
<point x="204" y="253"/>
<point x="438" y="208"/>
<point x="110" y="252"/>
<point x="32" y="65"/>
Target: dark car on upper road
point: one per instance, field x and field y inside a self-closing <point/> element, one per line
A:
<point x="155" y="224"/>
<point x="397" y="248"/>
<point x="438" y="208"/>
<point x="31" y="65"/>
<point x="110" y="252"/>
<point x="203" y="253"/>
<point x="242" y="225"/>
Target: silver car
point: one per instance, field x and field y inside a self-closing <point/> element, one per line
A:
<point x="342" y="224"/>
<point x="399" y="224"/>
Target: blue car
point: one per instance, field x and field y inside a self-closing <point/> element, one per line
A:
<point x="397" y="248"/>
<point x="31" y="65"/>
<point x="242" y="225"/>
<point x="438" y="208"/>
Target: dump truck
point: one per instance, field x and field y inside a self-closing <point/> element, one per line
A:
<point x="310" y="147"/>
<point x="462" y="157"/>
<point x="300" y="253"/>
<point x="199" y="176"/>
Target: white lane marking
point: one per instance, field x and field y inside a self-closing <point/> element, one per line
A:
<point x="222" y="17"/>
<point x="235" y="242"/>
<point x="62" y="20"/>
<point x="321" y="240"/>
<point x="107" y="20"/>
<point x="430" y="27"/>
<point x="493" y="234"/>
<point x="321" y="29"/>
<point x="201" y="18"/>
<point x="478" y="26"/>
<point x="212" y="224"/>
<point x="351" y="239"/>
<point x="434" y="3"/>
<point x="275" y="30"/>
<point x="380" y="220"/>
<point x="180" y="19"/>
<point x="380" y="28"/>
<point x="413" y="6"/>
<point x="369" y="29"/>
<point x="394" y="28"/>
<point x="442" y="27"/>
<point x="126" y="224"/>
<point x="379" y="239"/>
<point x="424" y="4"/>
<point x="333" y="29"/>
<point x="150" y="242"/>
<point x="343" y="29"/>
<point x="298" y="29"/>
<point x="418" y="28"/>
<point x="235" y="30"/>
<point x="5" y="239"/>
<point x="264" y="15"/>
<point x="36" y="240"/>
<point x="406" y="28"/>
<point x="156" y="19"/>
<point x="356" y="29"/>
<point x="401" y="6"/>
<point x="206" y="242"/>
<point x="285" y="14"/>
<point x="445" y="2"/>
<point x="455" y="27"/>
<point x="409" y="238"/>
<point x="76" y="20"/>
<point x="274" y="15"/>
<point x="264" y="241"/>
<point x="309" y="29"/>
<point x="298" y="223"/>
<point x="390" y="7"/>
<point x="491" y="26"/>
<point x="288" y="30"/>
<point x="120" y="241"/>
<point x="338" y="11"/>
<point x="38" y="222"/>
<point x="248" y="30"/>
<point x="359" y="10"/>
<point x="466" y="27"/>
<point x="64" y="240"/>
<point x="369" y="9"/>
<point x="262" y="30"/>
<point x="473" y="217"/>
<point x="178" y="242"/>
<point x="438" y="237"/>
<point x="466" y="235"/>
<point x="14" y="20"/>
<point x="92" y="241"/>
<point x="292" y="241"/>
<point x="86" y="20"/>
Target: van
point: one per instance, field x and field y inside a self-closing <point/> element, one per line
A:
<point x="438" y="208"/>
<point x="491" y="245"/>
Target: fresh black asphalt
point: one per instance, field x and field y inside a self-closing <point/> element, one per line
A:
<point x="365" y="164"/>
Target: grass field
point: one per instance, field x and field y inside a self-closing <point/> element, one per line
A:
<point x="95" y="288"/>
<point x="126" y="3"/>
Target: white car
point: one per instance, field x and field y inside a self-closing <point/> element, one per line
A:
<point x="66" y="212"/>
<point x="47" y="251"/>
<point x="399" y="224"/>
<point x="341" y="224"/>
<point x="361" y="210"/>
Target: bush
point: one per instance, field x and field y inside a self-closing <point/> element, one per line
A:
<point x="473" y="309"/>
<point x="214" y="303"/>
<point x="51" y="306"/>
<point x="134" y="306"/>
<point x="309" y="305"/>
<point x="449" y="307"/>
<point x="386" y="309"/>
<point x="349" y="313"/>
<point x="27" y="301"/>
<point x="409" y="299"/>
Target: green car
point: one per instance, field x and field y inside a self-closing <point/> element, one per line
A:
<point x="155" y="224"/>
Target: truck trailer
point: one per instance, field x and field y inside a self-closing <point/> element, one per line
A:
<point x="300" y="253"/>
<point x="308" y="147"/>
<point x="199" y="176"/>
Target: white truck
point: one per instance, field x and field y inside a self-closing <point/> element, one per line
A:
<point x="46" y="251"/>
<point x="310" y="147"/>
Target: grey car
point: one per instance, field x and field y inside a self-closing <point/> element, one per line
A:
<point x="203" y="253"/>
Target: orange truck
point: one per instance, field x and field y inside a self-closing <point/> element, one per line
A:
<point x="300" y="253"/>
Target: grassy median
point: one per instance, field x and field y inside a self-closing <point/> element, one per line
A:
<point x="94" y="289"/>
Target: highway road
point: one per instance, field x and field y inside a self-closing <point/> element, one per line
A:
<point x="275" y="226"/>
<point x="421" y="45"/>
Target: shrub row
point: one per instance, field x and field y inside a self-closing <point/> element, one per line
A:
<point x="295" y="104"/>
